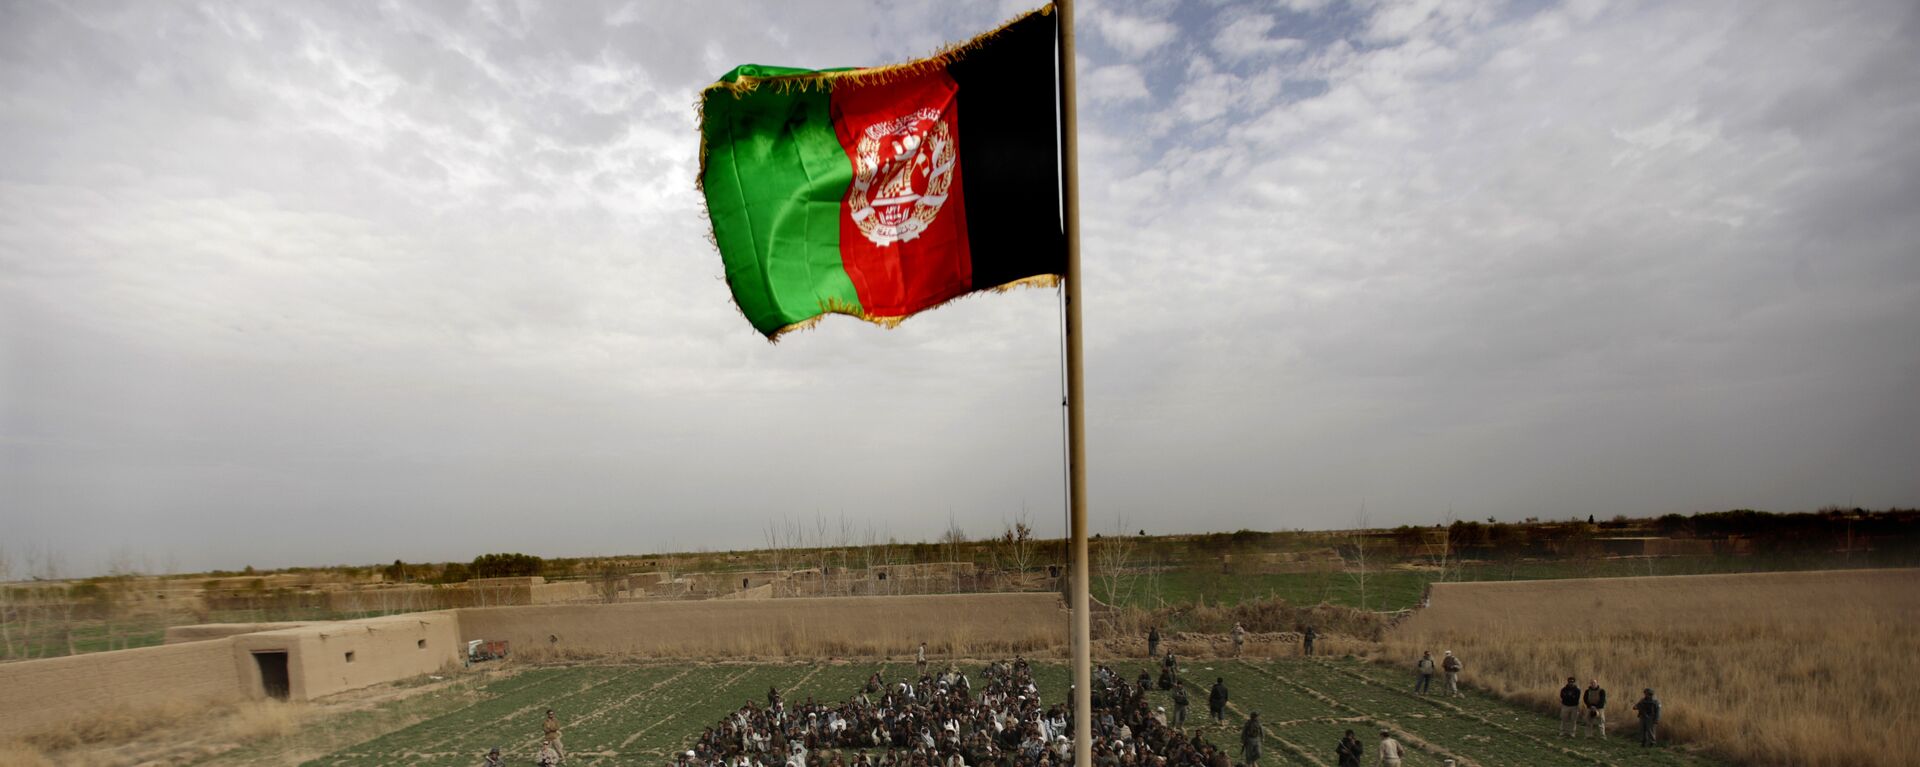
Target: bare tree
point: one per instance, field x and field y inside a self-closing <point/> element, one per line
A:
<point x="952" y="542"/>
<point x="1357" y="549"/>
<point x="1441" y="552"/>
<point x="1016" y="546"/>
<point x="952" y="539"/>
<point x="776" y="536"/>
<point x="8" y="612"/>
<point x="1114" y="556"/>
<point x="116" y="591"/>
<point x="609" y="581"/>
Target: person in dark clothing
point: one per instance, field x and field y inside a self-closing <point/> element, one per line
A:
<point x="1649" y="710"/>
<point x="1349" y="751"/>
<point x="1217" y="700"/>
<point x="1250" y="736"/>
<point x="1166" y="679"/>
<point x="1569" y="708"/>
<point x="1179" y="706"/>
<point x="1425" y="668"/>
<point x="1306" y="639"/>
<point x="1153" y="641"/>
<point x="1144" y="681"/>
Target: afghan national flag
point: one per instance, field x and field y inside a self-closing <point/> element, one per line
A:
<point x="881" y="192"/>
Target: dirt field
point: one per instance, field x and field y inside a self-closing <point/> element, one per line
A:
<point x="640" y="714"/>
<point x="1811" y="669"/>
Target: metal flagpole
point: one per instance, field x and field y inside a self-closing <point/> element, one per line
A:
<point x="1076" y="407"/>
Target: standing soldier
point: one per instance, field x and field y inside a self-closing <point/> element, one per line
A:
<point x="1239" y="637"/>
<point x="1425" y="669"/>
<point x="1250" y="734"/>
<point x="1217" y="700"/>
<point x="1569" y="708"/>
<point x="1649" y="710"/>
<point x="1306" y="641"/>
<point x="1390" y="751"/>
<point x="1452" y="666"/>
<point x="1595" y="701"/>
<point x="1179" y="705"/>
<point x="550" y="739"/>
<point x="494" y="759"/>
<point x="1153" y="641"/>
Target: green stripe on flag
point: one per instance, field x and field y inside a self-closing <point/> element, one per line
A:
<point x="775" y="177"/>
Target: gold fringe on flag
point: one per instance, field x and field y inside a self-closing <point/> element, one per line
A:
<point x="831" y="307"/>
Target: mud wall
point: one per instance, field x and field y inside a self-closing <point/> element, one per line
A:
<point x="326" y="658"/>
<point x="204" y="631"/>
<point x="46" y="694"/>
<point x="812" y="627"/>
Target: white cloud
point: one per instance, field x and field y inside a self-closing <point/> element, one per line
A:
<point x="302" y="265"/>
<point x="1247" y="37"/>
<point x="1132" y="35"/>
<point x="1118" y="83"/>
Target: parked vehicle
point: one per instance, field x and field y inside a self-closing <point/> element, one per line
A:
<point x="484" y="649"/>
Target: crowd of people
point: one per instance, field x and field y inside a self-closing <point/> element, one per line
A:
<point x="951" y="719"/>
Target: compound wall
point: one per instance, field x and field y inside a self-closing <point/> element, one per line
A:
<point x="325" y="658"/>
<point x="330" y="657"/>
<point x="813" y="627"/>
<point x="54" y="692"/>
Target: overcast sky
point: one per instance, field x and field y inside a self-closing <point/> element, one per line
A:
<point x="305" y="283"/>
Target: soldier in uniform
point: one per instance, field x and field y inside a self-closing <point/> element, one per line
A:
<point x="1595" y="702"/>
<point x="551" y="737"/>
<point x="1649" y="710"/>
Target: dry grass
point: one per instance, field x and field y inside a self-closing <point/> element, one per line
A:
<point x="127" y="736"/>
<point x="1812" y="669"/>
<point x="18" y="754"/>
<point x="260" y="720"/>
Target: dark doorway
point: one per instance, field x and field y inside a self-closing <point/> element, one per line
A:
<point x="273" y="673"/>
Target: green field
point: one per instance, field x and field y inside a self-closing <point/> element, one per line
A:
<point x="640" y="714"/>
<point x="1399" y="588"/>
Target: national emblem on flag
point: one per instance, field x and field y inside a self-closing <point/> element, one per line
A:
<point x="882" y="192"/>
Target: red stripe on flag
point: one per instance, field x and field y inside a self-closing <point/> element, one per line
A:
<point x="903" y="222"/>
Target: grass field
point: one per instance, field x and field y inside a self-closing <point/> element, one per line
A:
<point x="641" y="714"/>
<point x="1400" y="587"/>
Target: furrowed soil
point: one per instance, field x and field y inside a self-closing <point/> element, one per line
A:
<point x="641" y="714"/>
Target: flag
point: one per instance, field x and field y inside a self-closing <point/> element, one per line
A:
<point x="882" y="192"/>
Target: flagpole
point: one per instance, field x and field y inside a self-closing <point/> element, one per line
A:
<point x="1076" y="405"/>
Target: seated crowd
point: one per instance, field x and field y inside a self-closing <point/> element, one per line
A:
<point x="950" y="720"/>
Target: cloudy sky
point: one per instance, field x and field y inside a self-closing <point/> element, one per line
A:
<point x="304" y="283"/>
